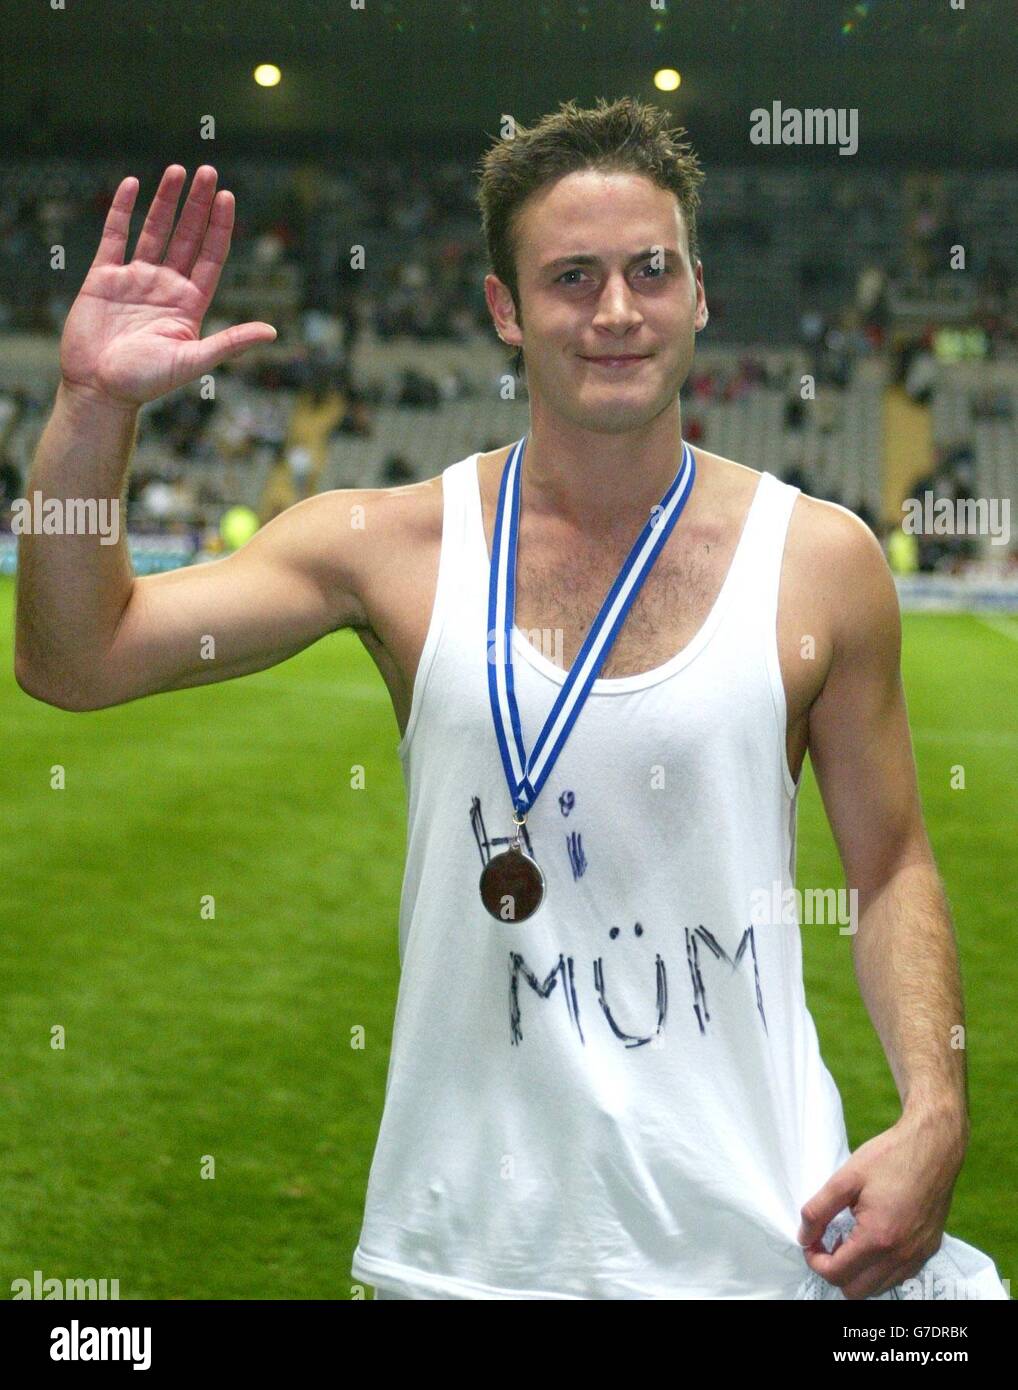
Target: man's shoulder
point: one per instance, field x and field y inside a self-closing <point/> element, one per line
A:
<point x="834" y="565"/>
<point x="817" y="528"/>
<point x="835" y="539"/>
<point x="816" y="522"/>
<point x="837" y="558"/>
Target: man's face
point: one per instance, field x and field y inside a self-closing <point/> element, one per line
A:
<point x="603" y="272"/>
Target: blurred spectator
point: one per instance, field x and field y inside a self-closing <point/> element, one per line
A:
<point x="161" y="502"/>
<point x="416" y="389"/>
<point x="317" y="413"/>
<point x="396" y="471"/>
<point x="871" y="297"/>
<point x="795" y="411"/>
<point x="13" y="405"/>
<point x="916" y="370"/>
<point x="10" y="483"/>
<point x="181" y="418"/>
<point x="902" y="550"/>
<point x="280" y="490"/>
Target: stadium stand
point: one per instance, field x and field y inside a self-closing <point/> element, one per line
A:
<point x="841" y="354"/>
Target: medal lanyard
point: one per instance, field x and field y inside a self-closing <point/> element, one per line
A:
<point x="525" y="777"/>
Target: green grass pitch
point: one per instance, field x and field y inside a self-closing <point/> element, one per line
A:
<point x="232" y="1037"/>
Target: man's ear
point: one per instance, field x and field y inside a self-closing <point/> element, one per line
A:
<point x="704" y="315"/>
<point x="503" y="311"/>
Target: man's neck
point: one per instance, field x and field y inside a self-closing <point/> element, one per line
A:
<point x="600" y="482"/>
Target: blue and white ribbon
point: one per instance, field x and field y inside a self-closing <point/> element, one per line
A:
<point x="526" y="778"/>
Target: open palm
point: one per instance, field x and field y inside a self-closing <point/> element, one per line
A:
<point x="134" y="331"/>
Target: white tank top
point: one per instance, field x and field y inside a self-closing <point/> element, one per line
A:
<point x="622" y="1097"/>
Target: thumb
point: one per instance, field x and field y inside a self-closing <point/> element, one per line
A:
<point x="206" y="353"/>
<point x="838" y="1192"/>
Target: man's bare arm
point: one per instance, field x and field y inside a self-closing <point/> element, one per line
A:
<point x="88" y="632"/>
<point x="900" y="1182"/>
<point x="905" y="953"/>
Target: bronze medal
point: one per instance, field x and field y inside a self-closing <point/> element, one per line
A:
<point x="512" y="885"/>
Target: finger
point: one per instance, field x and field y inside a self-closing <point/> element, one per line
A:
<point x="117" y="226"/>
<point x="855" y="1257"/>
<point x="215" y="245"/>
<point x="819" y="1248"/>
<point x="159" y="222"/>
<point x="838" y="1192"/>
<point x="207" y="353"/>
<point x="190" y="229"/>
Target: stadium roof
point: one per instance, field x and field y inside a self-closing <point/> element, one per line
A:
<point x="930" y="81"/>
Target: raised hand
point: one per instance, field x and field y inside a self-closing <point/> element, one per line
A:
<point x="133" y="333"/>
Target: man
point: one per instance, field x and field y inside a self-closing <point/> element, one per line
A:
<point x="604" y="1080"/>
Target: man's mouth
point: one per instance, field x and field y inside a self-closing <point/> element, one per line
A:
<point x="621" y="361"/>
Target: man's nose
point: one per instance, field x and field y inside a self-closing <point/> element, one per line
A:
<point x="617" y="308"/>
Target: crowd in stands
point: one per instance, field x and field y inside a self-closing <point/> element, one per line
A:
<point x="423" y="257"/>
<point x="423" y="279"/>
<point x="309" y="220"/>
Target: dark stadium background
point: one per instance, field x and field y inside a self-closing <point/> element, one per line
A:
<point x="232" y="1037"/>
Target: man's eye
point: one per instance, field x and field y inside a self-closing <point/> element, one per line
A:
<point x="659" y="269"/>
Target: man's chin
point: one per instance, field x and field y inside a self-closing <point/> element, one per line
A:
<point x="617" y="412"/>
<point x="612" y="418"/>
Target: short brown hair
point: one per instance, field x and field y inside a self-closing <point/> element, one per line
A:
<point x="623" y="136"/>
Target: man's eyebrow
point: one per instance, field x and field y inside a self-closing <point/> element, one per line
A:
<point x="669" y="255"/>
